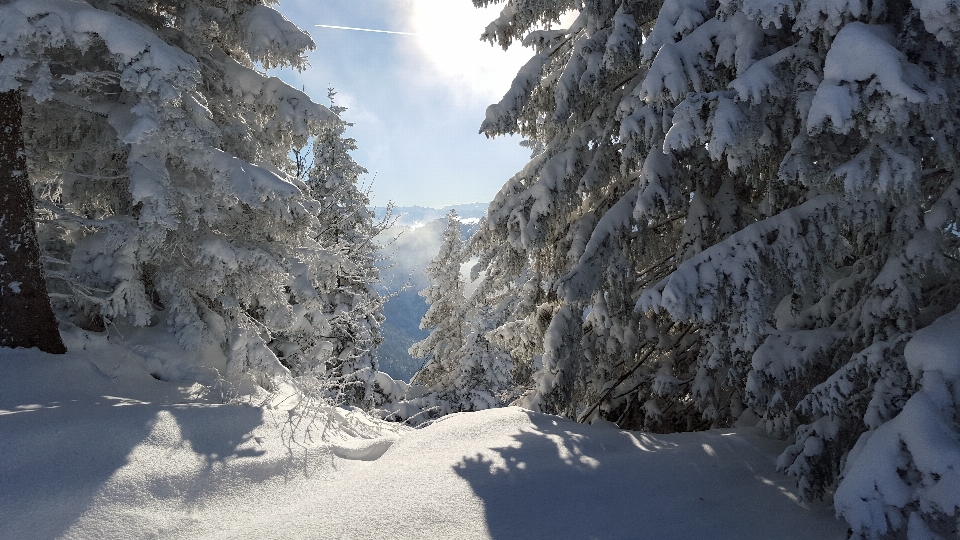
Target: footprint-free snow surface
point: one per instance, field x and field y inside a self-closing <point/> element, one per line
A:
<point x="94" y="447"/>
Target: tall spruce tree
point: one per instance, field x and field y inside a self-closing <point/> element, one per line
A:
<point x="159" y="151"/>
<point x="465" y="368"/>
<point x="347" y="302"/>
<point x="445" y="316"/>
<point x="742" y="205"/>
<point x="483" y="376"/>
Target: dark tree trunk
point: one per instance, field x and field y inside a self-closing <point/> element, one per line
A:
<point x="26" y="318"/>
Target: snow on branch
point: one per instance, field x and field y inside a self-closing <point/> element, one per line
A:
<point x="272" y="40"/>
<point x="727" y="278"/>
<point x="148" y="63"/>
<point x="501" y="118"/>
<point x="862" y="62"/>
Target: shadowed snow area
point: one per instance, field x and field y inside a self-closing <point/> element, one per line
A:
<point x="89" y="452"/>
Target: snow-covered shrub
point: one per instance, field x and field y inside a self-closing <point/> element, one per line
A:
<point x="738" y="205"/>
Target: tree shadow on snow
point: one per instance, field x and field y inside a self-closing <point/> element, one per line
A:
<point x="567" y="480"/>
<point x="57" y="458"/>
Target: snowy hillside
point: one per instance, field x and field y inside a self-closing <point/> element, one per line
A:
<point x="93" y="446"/>
<point x="408" y="248"/>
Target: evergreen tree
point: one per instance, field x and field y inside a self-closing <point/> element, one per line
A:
<point x="160" y="154"/>
<point x="349" y="225"/>
<point x="742" y="204"/>
<point x="346" y="318"/>
<point x="445" y="316"/>
<point x="464" y="370"/>
<point x="483" y="376"/>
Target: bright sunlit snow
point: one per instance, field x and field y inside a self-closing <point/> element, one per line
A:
<point x="736" y="215"/>
<point x="93" y="446"/>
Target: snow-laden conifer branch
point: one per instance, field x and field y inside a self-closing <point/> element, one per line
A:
<point x="777" y="175"/>
<point x="162" y="150"/>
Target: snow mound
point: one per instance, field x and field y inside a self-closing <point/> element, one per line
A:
<point x="362" y="449"/>
<point x="99" y="450"/>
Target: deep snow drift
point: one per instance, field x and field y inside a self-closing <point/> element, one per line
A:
<point x="93" y="446"/>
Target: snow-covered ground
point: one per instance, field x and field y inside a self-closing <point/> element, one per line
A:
<point x="93" y="446"/>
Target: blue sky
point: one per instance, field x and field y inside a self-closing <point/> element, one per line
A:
<point x="416" y="101"/>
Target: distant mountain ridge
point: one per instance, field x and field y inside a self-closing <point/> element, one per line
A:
<point x="417" y="216"/>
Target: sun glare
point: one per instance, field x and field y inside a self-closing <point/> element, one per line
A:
<point x="448" y="35"/>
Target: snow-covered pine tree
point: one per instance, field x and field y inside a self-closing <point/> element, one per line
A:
<point x="349" y="303"/>
<point x="747" y="204"/>
<point x="565" y="100"/>
<point x="484" y="373"/>
<point x="159" y="151"/>
<point x="445" y="316"/>
<point x="463" y="369"/>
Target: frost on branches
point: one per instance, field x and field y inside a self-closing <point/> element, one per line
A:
<point x="444" y="317"/>
<point x="160" y="154"/>
<point x="462" y="370"/>
<point x="348" y="304"/>
<point x="743" y="205"/>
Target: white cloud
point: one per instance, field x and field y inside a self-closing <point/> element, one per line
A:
<point x="416" y="100"/>
<point x="357" y="111"/>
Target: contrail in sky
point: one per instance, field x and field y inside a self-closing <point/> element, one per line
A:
<point x="365" y="30"/>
